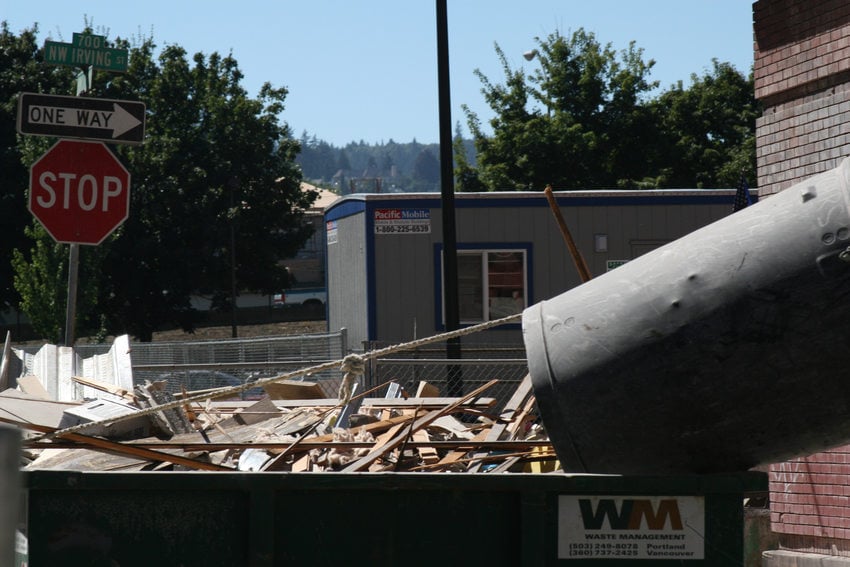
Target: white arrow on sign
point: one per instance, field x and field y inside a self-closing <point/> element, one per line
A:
<point x="118" y="120"/>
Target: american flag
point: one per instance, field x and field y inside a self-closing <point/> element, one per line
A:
<point x="742" y="196"/>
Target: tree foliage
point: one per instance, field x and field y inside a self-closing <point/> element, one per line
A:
<point x="215" y="181"/>
<point x="22" y="69"/>
<point x="585" y="119"/>
<point x="708" y="130"/>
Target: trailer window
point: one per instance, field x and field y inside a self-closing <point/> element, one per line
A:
<point x="491" y="284"/>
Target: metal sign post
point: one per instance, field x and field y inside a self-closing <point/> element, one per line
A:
<point x="80" y="193"/>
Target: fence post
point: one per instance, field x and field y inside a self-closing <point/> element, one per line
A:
<point x="343" y="342"/>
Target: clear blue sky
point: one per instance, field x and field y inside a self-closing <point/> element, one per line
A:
<point x="367" y="69"/>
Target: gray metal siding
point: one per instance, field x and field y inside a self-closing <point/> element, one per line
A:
<point x="405" y="282"/>
<point x="404" y="286"/>
<point x="348" y="280"/>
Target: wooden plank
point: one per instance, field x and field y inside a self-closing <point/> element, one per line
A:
<point x="522" y="418"/>
<point x="462" y="445"/>
<point x="507" y="416"/>
<point x="427" y="453"/>
<point x="121" y="449"/>
<point x="302" y="464"/>
<point x="381" y="441"/>
<point x="454" y="456"/>
<point x="426" y="390"/>
<point x="106" y="387"/>
<point x="370" y="403"/>
<point x="32" y="385"/>
<point x="376" y="454"/>
<point x="376" y="427"/>
<point x="260" y="411"/>
<point x="295" y="390"/>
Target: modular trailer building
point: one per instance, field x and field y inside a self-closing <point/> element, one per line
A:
<point x="384" y="253"/>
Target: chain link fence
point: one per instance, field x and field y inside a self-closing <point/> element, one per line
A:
<point x="476" y="366"/>
<point x="216" y="363"/>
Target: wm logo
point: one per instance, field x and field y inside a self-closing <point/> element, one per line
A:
<point x="631" y="515"/>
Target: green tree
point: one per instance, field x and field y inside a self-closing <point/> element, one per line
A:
<point x="572" y="123"/>
<point x="585" y="119"/>
<point x="41" y="276"/>
<point x="465" y="173"/>
<point x="22" y="69"/>
<point x="708" y="130"/>
<point x="216" y="180"/>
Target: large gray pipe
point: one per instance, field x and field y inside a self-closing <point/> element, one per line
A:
<point x="725" y="349"/>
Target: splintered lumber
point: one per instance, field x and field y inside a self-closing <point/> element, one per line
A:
<point x="260" y="411"/>
<point x="376" y="454"/>
<point x="368" y="403"/>
<point x="453" y="457"/>
<point x="277" y="463"/>
<point x="427" y="453"/>
<point x="462" y="445"/>
<point x="518" y="426"/>
<point x="120" y="448"/>
<point x="383" y="439"/>
<point x="508" y="415"/>
<point x="426" y="390"/>
<point x="106" y="387"/>
<point x="294" y="390"/>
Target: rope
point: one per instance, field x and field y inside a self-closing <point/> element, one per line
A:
<point x="354" y="362"/>
<point x="353" y="366"/>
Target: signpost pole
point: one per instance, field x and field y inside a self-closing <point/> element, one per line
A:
<point x="71" y="312"/>
<point x="74" y="268"/>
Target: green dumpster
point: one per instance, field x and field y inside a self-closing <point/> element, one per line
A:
<point x="274" y="519"/>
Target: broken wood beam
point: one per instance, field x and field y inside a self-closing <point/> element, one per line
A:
<point x="121" y="449"/>
<point x="426" y="420"/>
<point x="106" y="387"/>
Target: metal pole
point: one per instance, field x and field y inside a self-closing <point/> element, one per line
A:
<point x="450" y="283"/>
<point x="71" y="311"/>
<point x="234" y="332"/>
<point x="74" y="255"/>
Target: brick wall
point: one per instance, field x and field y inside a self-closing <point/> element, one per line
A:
<point x="802" y="137"/>
<point x="810" y="502"/>
<point x="802" y="77"/>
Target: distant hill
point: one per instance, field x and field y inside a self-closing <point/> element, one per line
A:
<point x="361" y="167"/>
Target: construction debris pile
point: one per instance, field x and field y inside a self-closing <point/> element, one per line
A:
<point x="294" y="426"/>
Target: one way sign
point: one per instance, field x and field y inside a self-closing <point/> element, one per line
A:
<point x="112" y="121"/>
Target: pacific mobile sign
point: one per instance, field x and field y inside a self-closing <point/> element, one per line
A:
<point x="631" y="527"/>
<point x="402" y="221"/>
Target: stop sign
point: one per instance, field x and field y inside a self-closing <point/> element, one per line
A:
<point x="79" y="191"/>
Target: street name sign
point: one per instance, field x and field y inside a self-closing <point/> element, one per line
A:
<point x="106" y="120"/>
<point x="79" y="192"/>
<point x="86" y="50"/>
